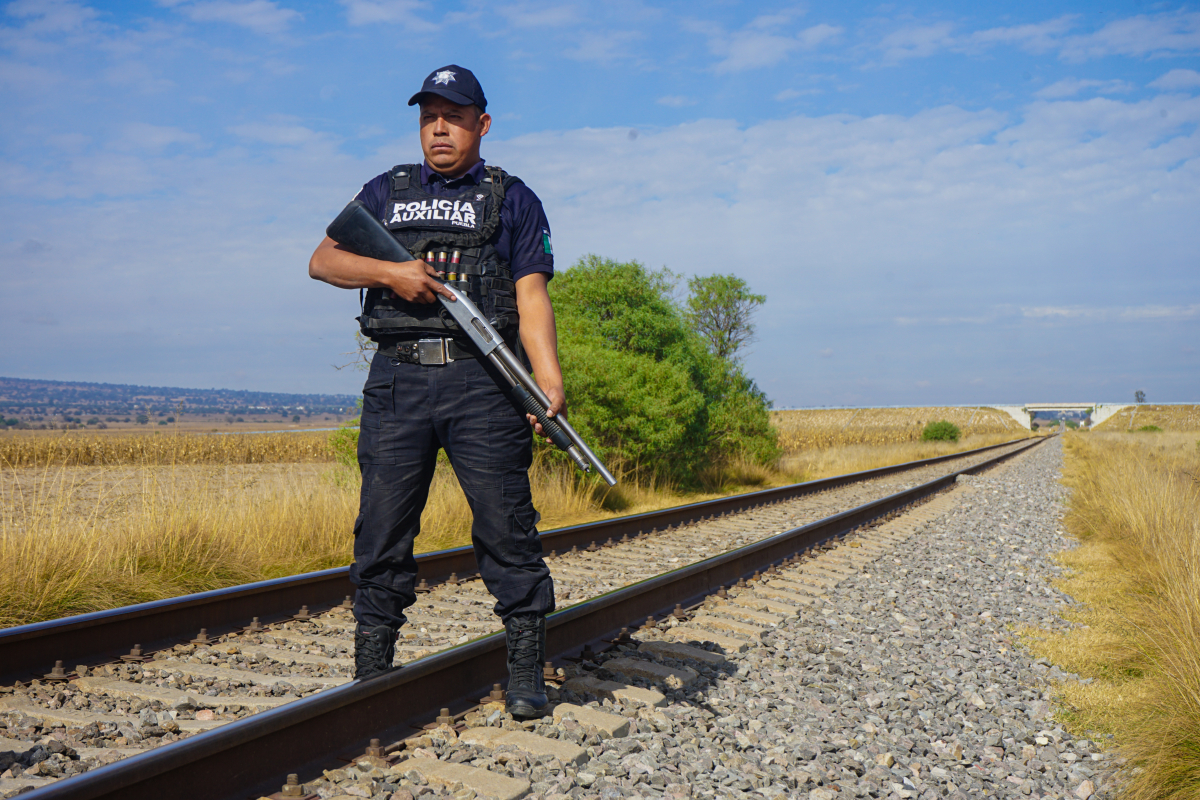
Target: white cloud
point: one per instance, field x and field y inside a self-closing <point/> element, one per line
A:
<point x="279" y="133"/>
<point x="1177" y="80"/>
<point x="917" y="41"/>
<point x="1068" y="87"/>
<point x="675" y="101"/>
<point x="374" y="12"/>
<point x="527" y="15"/>
<point x="762" y="42"/>
<point x="817" y="34"/>
<point x="1037" y="37"/>
<point x="792" y="94"/>
<point x="603" y="46"/>
<point x="260" y="16"/>
<point x="1161" y="313"/>
<point x="140" y="136"/>
<point x="51" y="16"/>
<point x="1176" y="33"/>
<point x="28" y="78"/>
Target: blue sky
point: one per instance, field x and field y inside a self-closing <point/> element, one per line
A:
<point x="943" y="204"/>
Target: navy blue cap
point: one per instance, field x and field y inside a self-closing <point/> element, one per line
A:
<point x="456" y="84"/>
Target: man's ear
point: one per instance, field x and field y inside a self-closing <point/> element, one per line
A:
<point x="485" y="123"/>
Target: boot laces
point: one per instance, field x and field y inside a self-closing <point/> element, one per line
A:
<point x="372" y="649"/>
<point x="524" y="665"/>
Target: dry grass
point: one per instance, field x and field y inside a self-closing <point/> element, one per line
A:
<point x="1169" y="418"/>
<point x="1136" y="511"/>
<point x="813" y="464"/>
<point x="73" y="541"/>
<point x="810" y="429"/>
<point x="97" y="449"/>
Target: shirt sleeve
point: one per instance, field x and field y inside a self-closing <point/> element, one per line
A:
<point x="373" y="195"/>
<point x="530" y="249"/>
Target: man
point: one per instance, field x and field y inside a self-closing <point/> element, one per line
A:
<point x="428" y="389"/>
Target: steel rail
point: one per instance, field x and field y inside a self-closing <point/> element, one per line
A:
<point x="29" y="651"/>
<point x="251" y="757"/>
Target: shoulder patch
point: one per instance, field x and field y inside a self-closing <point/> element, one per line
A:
<point x="546" y="246"/>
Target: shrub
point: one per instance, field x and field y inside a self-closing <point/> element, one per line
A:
<point x="344" y="444"/>
<point x="645" y="390"/>
<point x="941" y="431"/>
<point x="1150" y="429"/>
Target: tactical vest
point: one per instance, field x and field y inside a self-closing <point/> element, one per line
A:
<point x="467" y="222"/>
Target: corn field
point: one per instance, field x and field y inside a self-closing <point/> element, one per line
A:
<point x="809" y="429"/>
<point x="1169" y="418"/>
<point x="70" y="449"/>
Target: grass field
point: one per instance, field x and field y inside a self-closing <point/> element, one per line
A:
<point x="84" y="448"/>
<point x="1136" y="573"/>
<point x="92" y="522"/>
<point x="809" y="429"/>
<point x="1169" y="418"/>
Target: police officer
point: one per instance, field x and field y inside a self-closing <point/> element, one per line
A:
<point x="428" y="388"/>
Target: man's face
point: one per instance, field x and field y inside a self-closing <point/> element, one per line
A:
<point x="450" y="134"/>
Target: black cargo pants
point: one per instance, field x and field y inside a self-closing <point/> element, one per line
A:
<point x="409" y="412"/>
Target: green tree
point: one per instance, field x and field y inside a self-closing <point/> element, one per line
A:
<point x="644" y="387"/>
<point x="1139" y="396"/>
<point x="721" y="308"/>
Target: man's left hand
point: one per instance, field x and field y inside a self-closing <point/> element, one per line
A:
<point x="558" y="405"/>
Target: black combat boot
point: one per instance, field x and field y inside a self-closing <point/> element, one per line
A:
<point x="526" y="654"/>
<point x="374" y="649"/>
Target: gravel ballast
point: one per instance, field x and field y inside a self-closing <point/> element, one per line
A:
<point x="903" y="681"/>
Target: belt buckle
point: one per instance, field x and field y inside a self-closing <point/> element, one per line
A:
<point x="432" y="351"/>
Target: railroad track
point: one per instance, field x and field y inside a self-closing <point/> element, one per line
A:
<point x="256" y="692"/>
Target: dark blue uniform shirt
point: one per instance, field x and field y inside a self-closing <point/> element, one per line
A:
<point x="524" y="240"/>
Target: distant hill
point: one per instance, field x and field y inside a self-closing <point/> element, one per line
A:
<point x="29" y="400"/>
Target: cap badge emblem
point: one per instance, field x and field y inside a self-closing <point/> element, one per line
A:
<point x="445" y="76"/>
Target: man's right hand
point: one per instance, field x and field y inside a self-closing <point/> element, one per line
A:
<point x="415" y="281"/>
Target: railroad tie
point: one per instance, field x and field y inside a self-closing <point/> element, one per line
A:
<point x="672" y="678"/>
<point x="289" y="657"/>
<point x="691" y="633"/>
<point x="607" y="726"/>
<point x="742" y="630"/>
<point x="13" y="784"/>
<point x="800" y="585"/>
<point x="112" y="687"/>
<point x="482" y="782"/>
<point x="492" y="738"/>
<point x="748" y="600"/>
<point x="307" y="638"/>
<point x="749" y="615"/>
<point x="807" y="598"/>
<point x="79" y="719"/>
<point x="213" y="672"/>
<point x="681" y="652"/>
<point x="614" y="691"/>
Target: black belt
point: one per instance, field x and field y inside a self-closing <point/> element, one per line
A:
<point x="426" y="351"/>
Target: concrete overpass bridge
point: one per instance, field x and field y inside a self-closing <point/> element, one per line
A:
<point x="1099" y="411"/>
